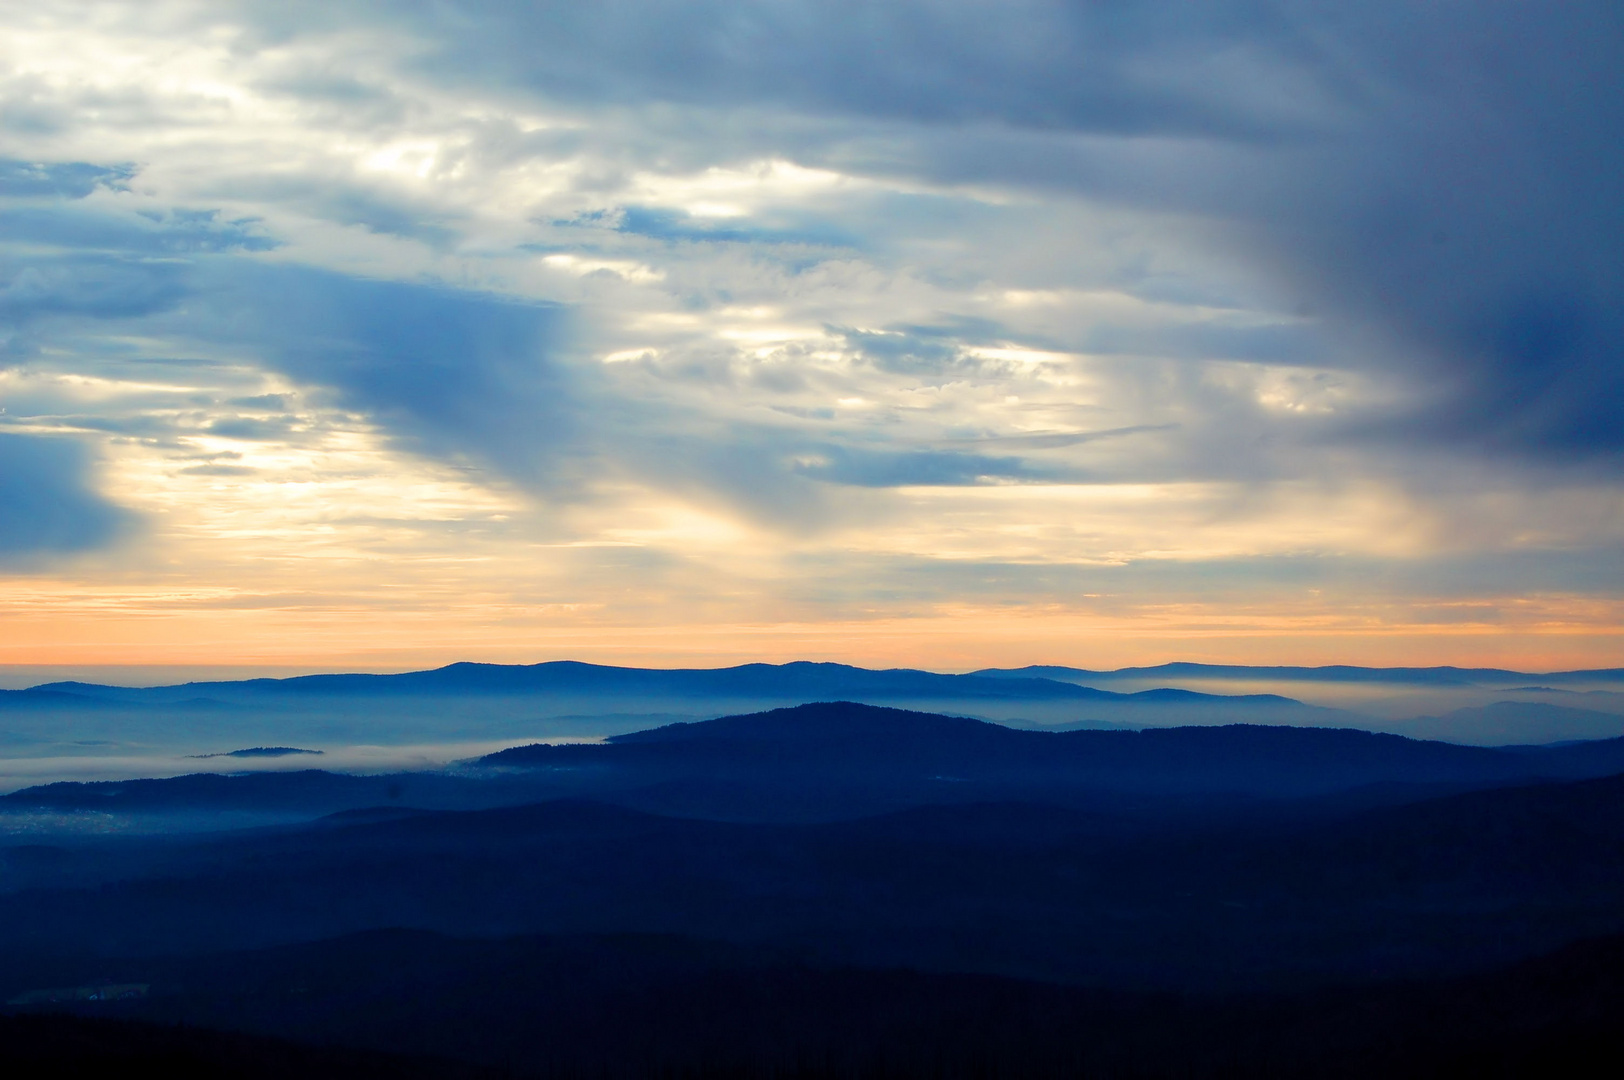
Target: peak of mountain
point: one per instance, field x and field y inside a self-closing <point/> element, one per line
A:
<point x="829" y="760"/>
<point x="847" y="745"/>
<point x="850" y="722"/>
<point x="47" y="697"/>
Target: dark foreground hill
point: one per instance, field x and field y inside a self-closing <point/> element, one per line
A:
<point x="65" y="1047"/>
<point x="630" y="1006"/>
<point x="1434" y="887"/>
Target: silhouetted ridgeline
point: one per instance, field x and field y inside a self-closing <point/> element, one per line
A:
<point x="851" y="742"/>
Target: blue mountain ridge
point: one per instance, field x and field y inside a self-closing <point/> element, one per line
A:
<point x="802" y="679"/>
<point x="1428" y="676"/>
<point x="824" y="761"/>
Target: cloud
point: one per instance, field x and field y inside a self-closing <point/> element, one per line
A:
<point x="1437" y="186"/>
<point x="169" y="232"/>
<point x="67" y="179"/>
<point x="46" y="503"/>
<point x="861" y="467"/>
<point x="1123" y="67"/>
<point x="252" y="428"/>
<point x="662" y="223"/>
<point x="449" y="373"/>
<point x="104" y="287"/>
<point x="1247" y="265"/>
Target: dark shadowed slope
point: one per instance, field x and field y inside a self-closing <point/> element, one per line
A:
<point x="638" y="1006"/>
<point x="1445" y="885"/>
<point x="58" y="1047"/>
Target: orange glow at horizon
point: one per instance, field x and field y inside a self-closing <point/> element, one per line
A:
<point x="956" y="640"/>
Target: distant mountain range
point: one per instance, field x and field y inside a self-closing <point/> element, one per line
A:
<point x="1343" y="673"/>
<point x="796" y="680"/>
<point x="802" y="679"/>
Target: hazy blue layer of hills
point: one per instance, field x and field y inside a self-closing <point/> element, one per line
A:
<point x="377" y="723"/>
<point x="1428" y="676"/>
<point x="570" y="677"/>
<point x="797" y="679"/>
<point x="829" y="761"/>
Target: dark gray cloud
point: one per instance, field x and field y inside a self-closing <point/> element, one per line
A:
<point x="1433" y="191"/>
<point x="47" y="505"/>
<point x="1110" y="67"/>
<point x="447" y="372"/>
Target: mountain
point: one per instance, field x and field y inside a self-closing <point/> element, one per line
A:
<point x="1430" y="888"/>
<point x="1519" y="722"/>
<point x="835" y="760"/>
<point x="1343" y="673"/>
<point x="849" y="889"/>
<point x="45" y="699"/>
<point x="850" y="744"/>
<point x="798" y="681"/>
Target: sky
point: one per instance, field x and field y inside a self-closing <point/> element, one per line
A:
<point x="385" y="334"/>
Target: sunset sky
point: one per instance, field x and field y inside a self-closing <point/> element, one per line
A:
<point x="916" y="333"/>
